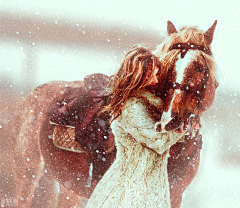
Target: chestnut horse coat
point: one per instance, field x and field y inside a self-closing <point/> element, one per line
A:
<point x="138" y="176"/>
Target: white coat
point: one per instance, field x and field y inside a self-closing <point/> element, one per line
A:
<point x="138" y="177"/>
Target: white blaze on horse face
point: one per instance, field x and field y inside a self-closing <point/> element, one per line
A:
<point x="166" y="116"/>
<point x="181" y="65"/>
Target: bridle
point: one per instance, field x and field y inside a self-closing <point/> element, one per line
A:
<point x="184" y="47"/>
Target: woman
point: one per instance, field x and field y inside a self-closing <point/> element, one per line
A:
<point x="138" y="177"/>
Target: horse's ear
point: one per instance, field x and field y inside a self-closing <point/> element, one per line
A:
<point x="208" y="35"/>
<point x="171" y="28"/>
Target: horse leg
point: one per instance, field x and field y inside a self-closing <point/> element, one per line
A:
<point x="67" y="198"/>
<point x="182" y="171"/>
<point x="47" y="192"/>
<point x="26" y="183"/>
<point x="27" y="163"/>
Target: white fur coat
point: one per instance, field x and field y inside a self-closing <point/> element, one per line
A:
<point x="138" y="177"/>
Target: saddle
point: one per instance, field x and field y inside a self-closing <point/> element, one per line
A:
<point x="76" y="116"/>
<point x="78" y="126"/>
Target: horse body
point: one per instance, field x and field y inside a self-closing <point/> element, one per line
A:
<point x="34" y="154"/>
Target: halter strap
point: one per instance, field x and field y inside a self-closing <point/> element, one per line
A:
<point x="184" y="47"/>
<point x="206" y="76"/>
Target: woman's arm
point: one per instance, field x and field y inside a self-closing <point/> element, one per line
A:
<point x="137" y="122"/>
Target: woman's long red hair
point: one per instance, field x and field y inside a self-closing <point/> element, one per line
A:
<point x="133" y="75"/>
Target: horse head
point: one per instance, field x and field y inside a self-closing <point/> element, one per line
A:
<point x="189" y="83"/>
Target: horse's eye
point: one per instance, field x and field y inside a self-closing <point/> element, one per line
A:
<point x="199" y="68"/>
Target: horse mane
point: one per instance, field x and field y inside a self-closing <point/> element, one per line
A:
<point x="185" y="35"/>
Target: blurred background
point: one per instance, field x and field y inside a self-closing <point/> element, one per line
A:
<point x="48" y="40"/>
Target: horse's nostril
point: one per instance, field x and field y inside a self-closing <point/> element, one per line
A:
<point x="159" y="128"/>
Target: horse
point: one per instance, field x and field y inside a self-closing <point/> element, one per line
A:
<point x="188" y="88"/>
<point x="63" y="175"/>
